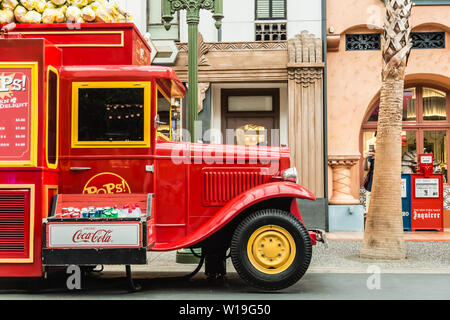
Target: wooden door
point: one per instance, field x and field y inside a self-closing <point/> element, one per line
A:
<point x="250" y="116"/>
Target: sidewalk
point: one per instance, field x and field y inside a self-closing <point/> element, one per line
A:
<point x="409" y="236"/>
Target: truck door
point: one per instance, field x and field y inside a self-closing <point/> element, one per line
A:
<point x="109" y="149"/>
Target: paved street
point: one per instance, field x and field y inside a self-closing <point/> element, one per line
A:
<point x="317" y="286"/>
<point x="335" y="272"/>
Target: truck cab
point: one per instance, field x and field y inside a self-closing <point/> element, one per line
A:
<point x="93" y="123"/>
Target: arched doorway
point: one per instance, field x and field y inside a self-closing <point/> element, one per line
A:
<point x="426" y="128"/>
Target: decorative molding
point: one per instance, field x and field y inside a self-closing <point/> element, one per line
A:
<point x="333" y="42"/>
<point x="192" y="8"/>
<point x="203" y="49"/>
<point x="342" y="178"/>
<point x="269" y="31"/>
<point x="306" y="75"/>
<point x="421" y="40"/>
<point x="202" y="88"/>
<point x="429" y="2"/>
<point x="360" y="41"/>
<point x="305" y="58"/>
<point x="239" y="46"/>
<point x="428" y="40"/>
<point x="305" y="48"/>
<point x="346" y="160"/>
<point x="233" y="75"/>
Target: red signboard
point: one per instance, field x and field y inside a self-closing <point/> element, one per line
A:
<point x="17" y="114"/>
<point x="427" y="202"/>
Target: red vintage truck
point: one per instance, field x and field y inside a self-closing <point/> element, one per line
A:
<point x="88" y="177"/>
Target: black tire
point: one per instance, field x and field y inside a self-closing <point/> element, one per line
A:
<point x="249" y="260"/>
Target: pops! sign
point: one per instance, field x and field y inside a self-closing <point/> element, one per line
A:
<point x="17" y="107"/>
<point x="106" y="183"/>
<point x="10" y="83"/>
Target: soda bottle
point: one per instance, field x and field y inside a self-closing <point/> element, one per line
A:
<point x="137" y="211"/>
<point x="91" y="212"/>
<point x="107" y="212"/>
<point x="124" y="213"/>
<point x="66" y="213"/>
<point x="85" y="213"/>
<point x="63" y="212"/>
<point x="75" y="213"/>
<point x="98" y="213"/>
<point x="115" y="212"/>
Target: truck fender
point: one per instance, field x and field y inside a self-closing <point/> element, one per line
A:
<point x="236" y="206"/>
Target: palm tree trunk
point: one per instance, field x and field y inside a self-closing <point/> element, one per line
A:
<point x="383" y="236"/>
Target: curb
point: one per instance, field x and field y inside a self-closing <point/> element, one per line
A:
<point x="382" y="270"/>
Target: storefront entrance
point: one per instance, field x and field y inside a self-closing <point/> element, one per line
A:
<point x="426" y="128"/>
<point x="251" y="116"/>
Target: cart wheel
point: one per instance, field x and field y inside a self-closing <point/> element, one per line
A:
<point x="271" y="249"/>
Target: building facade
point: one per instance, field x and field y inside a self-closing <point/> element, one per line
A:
<point x="354" y="32"/>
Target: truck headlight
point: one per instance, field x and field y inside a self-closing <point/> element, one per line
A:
<point x="290" y="174"/>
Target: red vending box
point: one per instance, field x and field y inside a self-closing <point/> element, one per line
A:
<point x="427" y="196"/>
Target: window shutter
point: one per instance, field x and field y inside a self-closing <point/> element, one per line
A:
<point x="262" y="9"/>
<point x="278" y="9"/>
<point x="270" y="9"/>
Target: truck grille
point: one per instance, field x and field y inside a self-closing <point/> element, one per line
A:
<point x="13" y="206"/>
<point x="220" y="186"/>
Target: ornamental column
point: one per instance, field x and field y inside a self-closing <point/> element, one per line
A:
<point x="305" y="93"/>
<point x="342" y="179"/>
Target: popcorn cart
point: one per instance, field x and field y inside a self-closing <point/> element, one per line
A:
<point x="85" y="180"/>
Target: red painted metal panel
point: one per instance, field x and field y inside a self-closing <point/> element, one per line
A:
<point x="91" y="43"/>
<point x="20" y="264"/>
<point x="220" y="185"/>
<point x="234" y="207"/>
<point x="14" y="224"/>
<point x="171" y="189"/>
<point x="427" y="203"/>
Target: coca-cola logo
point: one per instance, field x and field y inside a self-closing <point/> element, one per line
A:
<point x="98" y="236"/>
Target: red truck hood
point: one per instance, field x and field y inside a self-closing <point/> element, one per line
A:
<point x="209" y="152"/>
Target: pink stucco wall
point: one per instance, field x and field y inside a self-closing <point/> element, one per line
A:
<point x="353" y="77"/>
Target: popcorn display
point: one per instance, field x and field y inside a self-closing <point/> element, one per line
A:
<point x="61" y="11"/>
<point x="6" y="16"/>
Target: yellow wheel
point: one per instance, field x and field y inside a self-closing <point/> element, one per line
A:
<point x="271" y="249"/>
